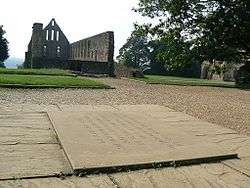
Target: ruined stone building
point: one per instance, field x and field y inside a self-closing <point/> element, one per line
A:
<point x="50" y="48"/>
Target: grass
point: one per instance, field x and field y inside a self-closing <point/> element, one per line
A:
<point x="45" y="81"/>
<point x="52" y="72"/>
<point x="171" y="80"/>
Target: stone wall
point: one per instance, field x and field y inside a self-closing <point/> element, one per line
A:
<point x="90" y="67"/>
<point x="219" y="70"/>
<point x="55" y="43"/>
<point x="49" y="48"/>
<point x="99" y="48"/>
<point x="94" y="54"/>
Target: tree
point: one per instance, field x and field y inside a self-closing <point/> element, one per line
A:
<point x="217" y="29"/>
<point x="226" y="32"/>
<point x="3" y="47"/>
<point x="175" y="56"/>
<point x="135" y="52"/>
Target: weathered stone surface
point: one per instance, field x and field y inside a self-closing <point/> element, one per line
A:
<point x="207" y="176"/>
<point x="27" y="108"/>
<point x="101" y="181"/>
<point x="28" y="147"/>
<point x="29" y="144"/>
<point x="131" y="137"/>
<point x="242" y="165"/>
<point x="12" y="135"/>
<point x="98" y="48"/>
<point x="32" y="160"/>
<point x="236" y="143"/>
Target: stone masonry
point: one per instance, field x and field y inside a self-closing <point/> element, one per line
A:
<point x="50" y="48"/>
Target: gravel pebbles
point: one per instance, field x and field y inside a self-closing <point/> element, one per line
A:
<point x="223" y="106"/>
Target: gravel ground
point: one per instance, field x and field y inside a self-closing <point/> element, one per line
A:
<point x="227" y="107"/>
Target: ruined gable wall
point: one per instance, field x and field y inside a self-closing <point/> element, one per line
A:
<point x="99" y="48"/>
<point x="55" y="45"/>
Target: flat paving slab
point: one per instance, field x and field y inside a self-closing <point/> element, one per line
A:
<point x="100" y="139"/>
<point x="205" y="176"/>
<point x="27" y="108"/>
<point x="100" y="181"/>
<point x="29" y="147"/>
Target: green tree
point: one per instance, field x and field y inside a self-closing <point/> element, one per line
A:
<point x="135" y="53"/>
<point x="172" y="56"/>
<point x="3" y="47"/>
<point x="175" y="53"/>
<point x="217" y="29"/>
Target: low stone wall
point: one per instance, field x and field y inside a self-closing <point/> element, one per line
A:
<point x="91" y="67"/>
<point x="45" y="63"/>
<point x="79" y="66"/>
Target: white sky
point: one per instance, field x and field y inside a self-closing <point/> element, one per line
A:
<point x="78" y="19"/>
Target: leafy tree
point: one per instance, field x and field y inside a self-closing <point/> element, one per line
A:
<point x="226" y="32"/>
<point x="217" y="29"/>
<point x="135" y="53"/>
<point x="156" y="65"/>
<point x="175" y="52"/>
<point x="3" y="47"/>
<point x="176" y="56"/>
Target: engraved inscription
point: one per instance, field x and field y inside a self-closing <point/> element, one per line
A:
<point x="120" y="130"/>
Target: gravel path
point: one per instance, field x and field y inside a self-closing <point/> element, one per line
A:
<point x="223" y="106"/>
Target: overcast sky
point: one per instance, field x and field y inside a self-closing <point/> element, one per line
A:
<point x="78" y="19"/>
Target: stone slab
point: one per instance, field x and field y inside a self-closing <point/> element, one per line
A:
<point x="26" y="128"/>
<point x="27" y="108"/>
<point x="29" y="147"/>
<point x="101" y="181"/>
<point x="35" y="160"/>
<point x="205" y="176"/>
<point x="236" y="143"/>
<point x="106" y="139"/>
<point x="242" y="165"/>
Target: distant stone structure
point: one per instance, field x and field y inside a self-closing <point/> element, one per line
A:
<point x="50" y="48"/>
<point x="219" y="70"/>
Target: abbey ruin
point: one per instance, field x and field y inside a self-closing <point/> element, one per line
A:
<point x="50" y="48"/>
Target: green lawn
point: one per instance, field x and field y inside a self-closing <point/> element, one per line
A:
<point x="52" y="72"/>
<point x="44" y="81"/>
<point x="171" y="80"/>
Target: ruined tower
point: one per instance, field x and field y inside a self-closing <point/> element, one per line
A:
<point x="36" y="42"/>
<point x="49" y="48"/>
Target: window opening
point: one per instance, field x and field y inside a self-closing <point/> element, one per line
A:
<point x="52" y="34"/>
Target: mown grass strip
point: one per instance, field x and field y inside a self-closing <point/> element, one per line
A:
<point x="35" y="81"/>
<point x="170" y="80"/>
<point x="51" y="72"/>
